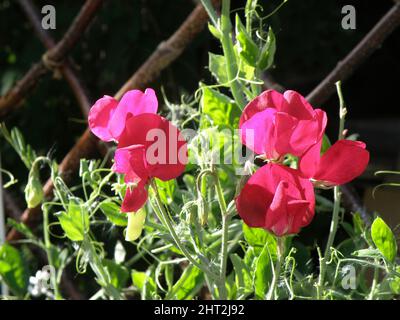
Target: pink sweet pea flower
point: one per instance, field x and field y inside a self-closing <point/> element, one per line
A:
<point x="341" y="163"/>
<point x="275" y="124"/>
<point x="107" y="117"/>
<point x="278" y="199"/>
<point x="149" y="147"/>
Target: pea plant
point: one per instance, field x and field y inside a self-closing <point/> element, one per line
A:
<point x="207" y="200"/>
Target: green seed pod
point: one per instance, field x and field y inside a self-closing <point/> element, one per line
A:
<point x="34" y="191"/>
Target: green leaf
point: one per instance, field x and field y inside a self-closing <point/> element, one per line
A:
<point x="258" y="238"/>
<point x="217" y="66"/>
<point x="138" y="279"/>
<point x="13" y="270"/>
<point x="243" y="278"/>
<point x="144" y="283"/>
<point x="75" y="221"/>
<point x="368" y="253"/>
<point x="326" y="144"/>
<point x="118" y="273"/>
<point x="214" y="31"/>
<point x="384" y="239"/>
<point x="113" y="213"/>
<point x="219" y="108"/>
<point x="247" y="48"/>
<point x="166" y="190"/>
<point x="395" y="282"/>
<point x="21" y="228"/>
<point x="267" y="54"/>
<point x="358" y="224"/>
<point x="188" y="284"/>
<point x="263" y="274"/>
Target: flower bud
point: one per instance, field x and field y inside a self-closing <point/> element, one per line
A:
<point x="33" y="190"/>
<point x="202" y="211"/>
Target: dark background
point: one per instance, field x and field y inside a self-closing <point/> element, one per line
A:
<point x="310" y="42"/>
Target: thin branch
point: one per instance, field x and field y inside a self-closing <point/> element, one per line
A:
<point x="163" y="56"/>
<point x="66" y="68"/>
<point x="51" y="60"/>
<point x="371" y="42"/>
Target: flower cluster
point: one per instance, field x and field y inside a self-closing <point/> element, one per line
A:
<point x="149" y="146"/>
<point x="278" y="198"/>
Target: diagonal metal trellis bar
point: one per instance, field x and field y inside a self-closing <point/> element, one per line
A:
<point x="87" y="144"/>
<point x="51" y="60"/>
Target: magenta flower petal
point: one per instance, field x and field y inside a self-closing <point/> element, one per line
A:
<point x="166" y="149"/>
<point x="258" y="132"/>
<point x="309" y="162"/>
<point x="267" y="99"/>
<point x="278" y="199"/>
<point x="282" y="123"/>
<point x="132" y="162"/>
<point x="133" y="103"/>
<point x="100" y="115"/>
<point x="297" y="106"/>
<point x="135" y="198"/>
<point x="342" y="162"/>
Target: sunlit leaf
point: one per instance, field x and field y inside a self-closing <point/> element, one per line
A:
<point x="263" y="273"/>
<point x="244" y="282"/>
<point x="13" y="269"/>
<point x="267" y="54"/>
<point x="188" y="284"/>
<point x="247" y="48"/>
<point x="113" y="213"/>
<point x="384" y="239"/>
<point x="75" y="221"/>
<point x="217" y="66"/>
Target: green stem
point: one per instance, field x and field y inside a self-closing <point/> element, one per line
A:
<point x="342" y="110"/>
<point x="49" y="253"/>
<point x="224" y="241"/>
<point x="98" y="268"/>
<point x="166" y="220"/>
<point x="371" y="295"/>
<point x="331" y="238"/>
<point x="229" y="53"/>
<point x="337" y="198"/>
<point x="46" y="233"/>
<point x="271" y="295"/>
<point x="211" y="12"/>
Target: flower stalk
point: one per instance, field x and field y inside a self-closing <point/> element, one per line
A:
<point x="224" y="27"/>
<point x="224" y="241"/>
<point x="280" y="252"/>
<point x="166" y="220"/>
<point x="336" y="196"/>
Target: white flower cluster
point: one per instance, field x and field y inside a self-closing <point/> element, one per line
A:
<point x="40" y="284"/>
